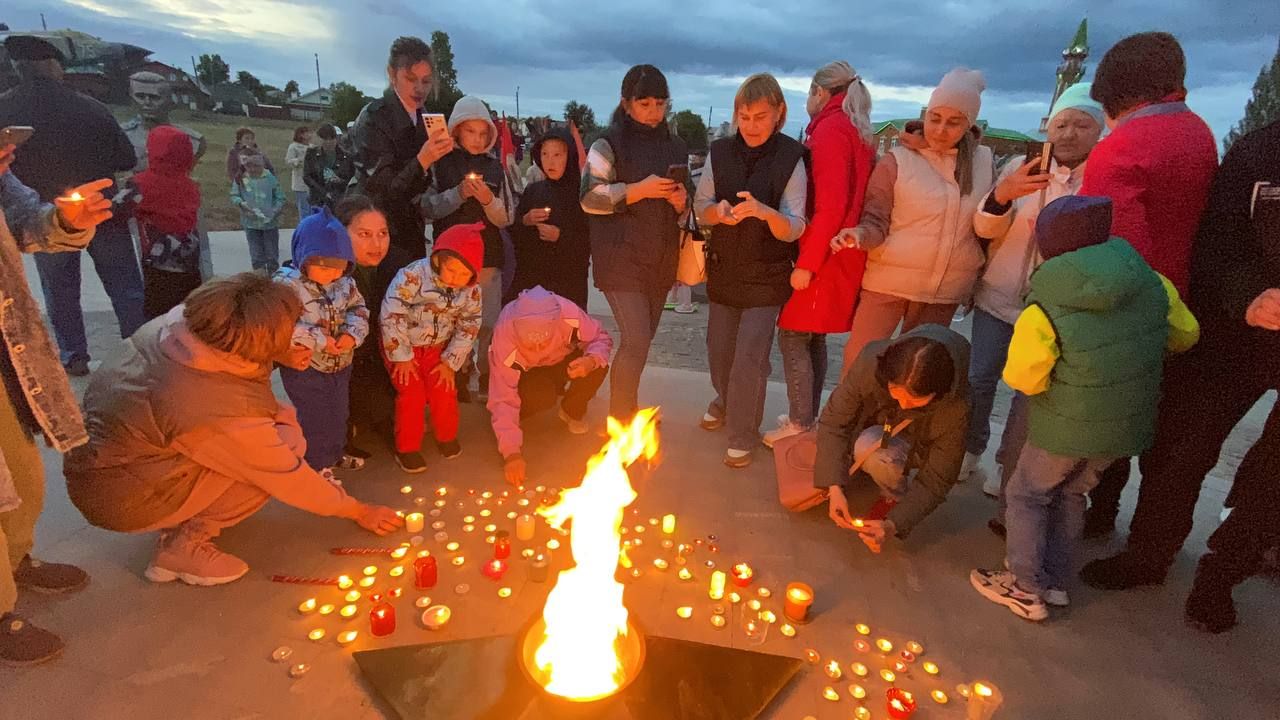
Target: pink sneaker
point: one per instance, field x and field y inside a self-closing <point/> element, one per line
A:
<point x="194" y="563"/>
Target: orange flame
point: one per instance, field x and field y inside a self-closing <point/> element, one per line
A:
<point x="585" y="619"/>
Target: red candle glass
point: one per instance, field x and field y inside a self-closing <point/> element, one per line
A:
<point x="382" y="620"/>
<point x="742" y="575"/>
<point x="501" y="545"/>
<point x="901" y="704"/>
<point x="494" y="569"/>
<point x="425" y="573"/>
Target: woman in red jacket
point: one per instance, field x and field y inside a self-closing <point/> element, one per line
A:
<point x="825" y="286"/>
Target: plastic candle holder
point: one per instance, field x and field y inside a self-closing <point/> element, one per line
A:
<point x="901" y="704"/>
<point x="742" y="574"/>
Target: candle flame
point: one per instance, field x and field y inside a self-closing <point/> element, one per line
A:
<point x="586" y="621"/>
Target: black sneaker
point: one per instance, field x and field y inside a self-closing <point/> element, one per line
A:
<point x="997" y="527"/>
<point x="462" y="381"/>
<point x="411" y="462"/>
<point x="78" y="367"/>
<point x="1125" y="571"/>
<point x="1210" y="611"/>
<point x="449" y="450"/>
<point x="49" y="578"/>
<point x="1098" y="525"/>
<point x="22" y="643"/>
<point x="356" y="452"/>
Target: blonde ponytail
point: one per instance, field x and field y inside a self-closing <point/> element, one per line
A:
<point x="839" y="76"/>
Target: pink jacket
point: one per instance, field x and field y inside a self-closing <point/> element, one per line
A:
<point x="572" y="330"/>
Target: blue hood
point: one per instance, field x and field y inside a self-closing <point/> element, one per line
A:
<point x="321" y="235"/>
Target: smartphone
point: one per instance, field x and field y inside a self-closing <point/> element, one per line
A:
<point x="16" y="134"/>
<point x="434" y="123"/>
<point x="1039" y="153"/>
<point x="679" y="173"/>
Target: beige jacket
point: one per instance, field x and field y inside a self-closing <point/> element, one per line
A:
<point x="918" y="229"/>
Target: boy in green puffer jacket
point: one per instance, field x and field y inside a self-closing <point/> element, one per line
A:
<point x="1089" y="350"/>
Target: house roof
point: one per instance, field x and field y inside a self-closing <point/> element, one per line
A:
<point x="900" y="124"/>
<point x="321" y="97"/>
<point x="230" y="91"/>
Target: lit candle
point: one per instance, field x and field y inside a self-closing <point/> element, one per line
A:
<point x="832" y="670"/>
<point x="538" y="568"/>
<point x="527" y="553"/>
<point x="346" y="637"/>
<point x="799" y="597"/>
<point x="899" y="667"/>
<point x="915" y="647"/>
<point x="413" y="522"/>
<point x="716" y="592"/>
<point x="371" y="570"/>
<point x="441" y="491"/>
<point x="382" y="620"/>
<point x="501" y="545"/>
<point x="504" y="592"/>
<point x="660" y="563"/>
<point x="718" y="621"/>
<point x="764" y="592"/>
<point x="861" y="645"/>
<point x="425" y="572"/>
<point x="830" y="693"/>
<point x="436" y="616"/>
<point x="348" y="611"/>
<point x="884" y="646"/>
<point x="513" y="515"/>
<point x="963" y="690"/>
<point x="787" y="630"/>
<point x="344" y="582"/>
<point x="684" y="574"/>
<point x="406" y="490"/>
<point x="888" y="675"/>
<point x="307" y="605"/>
<point x="352" y="596"/>
<point x="908" y="656"/>
<point x="668" y="524"/>
<point x="734" y="598"/>
<point x="742" y="574"/>
<point x="857" y="691"/>
<point x="468" y="528"/>
<point x="458" y="560"/>
<point x="399" y="552"/>
<point x="316" y="635"/>
<point x="859" y="669"/>
<point x="486" y="513"/>
<point x="494" y="569"/>
<point x="930" y="667"/>
<point x="901" y="703"/>
<point x="812" y="656"/>
<point x="366" y="582"/>
<point x="441" y="536"/>
<point x="553" y="544"/>
<point x="472" y="176"/>
<point x="939" y="697"/>
<point x="396" y="571"/>
<point x="490" y="528"/>
<point x="299" y="670"/>
<point x="684" y="611"/>
<point x="452" y="546"/>
<point x="326" y="609"/>
<point x="525" y="528"/>
<point x="861" y="713"/>
<point x="984" y="700"/>
<point x="862" y="629"/>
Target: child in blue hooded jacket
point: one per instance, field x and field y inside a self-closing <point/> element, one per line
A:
<point x="333" y="323"/>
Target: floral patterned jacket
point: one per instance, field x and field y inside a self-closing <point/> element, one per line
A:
<point x="419" y="311"/>
<point x="328" y="311"/>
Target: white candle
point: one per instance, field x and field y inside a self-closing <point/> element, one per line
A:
<point x="413" y="522"/>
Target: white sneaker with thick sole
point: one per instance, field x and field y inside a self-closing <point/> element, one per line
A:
<point x="195" y="563"/>
<point x="1001" y="587"/>
<point x="785" y="429"/>
<point x="1057" y="598"/>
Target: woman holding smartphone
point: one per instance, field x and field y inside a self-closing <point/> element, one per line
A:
<point x="752" y="195"/>
<point x="633" y="208"/>
<point x="917" y="220"/>
<point x="1006" y="217"/>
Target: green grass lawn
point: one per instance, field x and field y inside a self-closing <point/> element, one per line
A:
<point x="219" y="132"/>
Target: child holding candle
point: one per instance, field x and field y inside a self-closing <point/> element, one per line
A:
<point x="430" y="318"/>
<point x="333" y="323"/>
<point x="1089" y="350"/>
<point x="469" y="186"/>
<point x="551" y="237"/>
<point x="258" y="195"/>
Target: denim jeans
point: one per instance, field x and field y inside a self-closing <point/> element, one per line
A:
<point x="1016" y="428"/>
<point x="491" y="307"/>
<point x="804" y="364"/>
<point x="1046" y="497"/>
<point x="991" y="337"/>
<point x="117" y="264"/>
<point x="738" y="345"/>
<point x="264" y="249"/>
<point x="637" y="314"/>
<point x="304" y="203"/>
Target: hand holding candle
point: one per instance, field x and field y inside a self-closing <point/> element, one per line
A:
<point x="84" y="207"/>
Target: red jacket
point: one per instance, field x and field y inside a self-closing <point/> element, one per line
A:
<point x="841" y="163"/>
<point x="1156" y="166"/>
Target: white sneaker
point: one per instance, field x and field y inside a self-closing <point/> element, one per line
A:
<point x="1002" y="588"/>
<point x="967" y="467"/>
<point x="194" y="563"/>
<point x="990" y="480"/>
<point x="576" y="427"/>
<point x="785" y="429"/>
<point x="1056" y="598"/>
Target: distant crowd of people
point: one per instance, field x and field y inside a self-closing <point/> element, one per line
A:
<point x="1124" y="286"/>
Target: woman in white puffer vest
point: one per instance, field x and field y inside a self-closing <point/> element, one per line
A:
<point x="917" y="221"/>
<point x="1007" y="217"/>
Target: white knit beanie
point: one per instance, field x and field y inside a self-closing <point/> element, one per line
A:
<point x="960" y="89"/>
<point x="470" y="107"/>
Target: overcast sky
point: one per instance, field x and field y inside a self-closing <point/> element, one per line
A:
<point x="557" y="50"/>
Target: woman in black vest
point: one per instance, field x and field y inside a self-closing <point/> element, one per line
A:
<point x="752" y="195"/>
<point x="633" y="209"/>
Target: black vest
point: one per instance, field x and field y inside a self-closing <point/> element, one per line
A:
<point x="449" y="172"/>
<point x="746" y="265"/>
<point x="637" y="248"/>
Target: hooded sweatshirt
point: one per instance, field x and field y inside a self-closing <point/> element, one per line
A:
<point x="261" y="194"/>
<point x="168" y="202"/>
<point x="936" y="434"/>
<point x="560" y="327"/>
<point x="420" y="311"/>
<point x="328" y="311"/>
<point x="169" y="412"/>
<point x="559" y="266"/>
<point x="444" y="203"/>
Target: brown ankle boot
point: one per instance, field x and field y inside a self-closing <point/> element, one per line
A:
<point x="22" y="643"/>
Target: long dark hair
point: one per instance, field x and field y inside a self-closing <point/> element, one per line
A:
<point x="641" y="81"/>
<point x="354" y="204"/>
<point x="923" y="366"/>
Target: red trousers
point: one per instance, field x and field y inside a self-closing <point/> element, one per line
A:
<point x="422" y="392"/>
